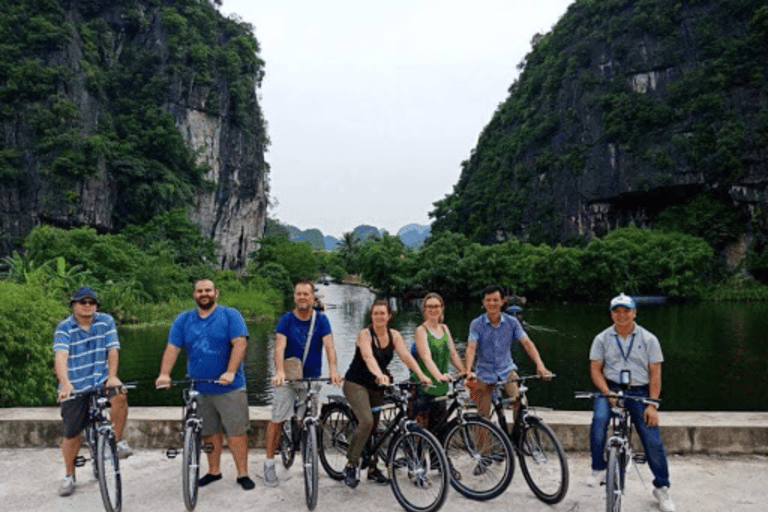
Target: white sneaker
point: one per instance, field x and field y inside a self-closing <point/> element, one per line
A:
<point x="67" y="486"/>
<point x="596" y="479"/>
<point x="123" y="450"/>
<point x="665" y="502"/>
<point x="270" y="475"/>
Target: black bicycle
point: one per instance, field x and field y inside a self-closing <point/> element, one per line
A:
<point x="300" y="433"/>
<point x="541" y="455"/>
<point x="619" y="445"/>
<point x="100" y="438"/>
<point x="416" y="463"/>
<point x="191" y="442"/>
<point x="479" y="453"/>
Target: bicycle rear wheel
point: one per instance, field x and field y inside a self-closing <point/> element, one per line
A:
<point x="109" y="472"/>
<point x="190" y="469"/>
<point x="613" y="489"/>
<point x="480" y="456"/>
<point x="337" y="424"/>
<point x="287" y="450"/>
<point x="543" y="462"/>
<point x="418" y="470"/>
<point x="309" y="457"/>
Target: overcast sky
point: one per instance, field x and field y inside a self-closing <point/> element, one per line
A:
<point x="372" y="105"/>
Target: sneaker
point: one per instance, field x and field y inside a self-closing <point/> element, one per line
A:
<point x="67" y="486"/>
<point x="350" y="476"/>
<point x="665" y="502"/>
<point x="123" y="450"/>
<point x="270" y="475"/>
<point x="482" y="466"/>
<point x="597" y="478"/>
<point x="377" y="476"/>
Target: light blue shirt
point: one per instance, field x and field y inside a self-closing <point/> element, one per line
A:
<point x="87" y="362"/>
<point x="494" y="346"/>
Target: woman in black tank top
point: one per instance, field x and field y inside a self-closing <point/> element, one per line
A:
<point x="364" y="381"/>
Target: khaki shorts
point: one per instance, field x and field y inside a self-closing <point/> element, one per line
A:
<point x="224" y="412"/>
<point x="284" y="399"/>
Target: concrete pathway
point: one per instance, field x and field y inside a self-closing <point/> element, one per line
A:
<point x="152" y="483"/>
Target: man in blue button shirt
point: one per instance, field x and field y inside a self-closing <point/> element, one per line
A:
<point x="491" y="336"/>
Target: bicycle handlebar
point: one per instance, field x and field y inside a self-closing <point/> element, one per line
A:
<point x="189" y="381"/>
<point x="101" y="388"/>
<point x="619" y="395"/>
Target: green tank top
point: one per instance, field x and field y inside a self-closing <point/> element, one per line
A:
<point x="441" y="356"/>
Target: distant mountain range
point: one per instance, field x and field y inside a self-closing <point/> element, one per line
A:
<point x="412" y="235"/>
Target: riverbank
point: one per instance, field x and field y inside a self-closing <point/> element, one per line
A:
<point x="721" y="433"/>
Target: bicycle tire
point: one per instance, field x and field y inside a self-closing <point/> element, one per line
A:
<point x="91" y="440"/>
<point x="190" y="469"/>
<point x="309" y="458"/>
<point x="287" y="449"/>
<point x="337" y="424"/>
<point x="613" y="490"/>
<point x="480" y="457"/>
<point x="543" y="461"/>
<point x="418" y="470"/>
<point x="109" y="472"/>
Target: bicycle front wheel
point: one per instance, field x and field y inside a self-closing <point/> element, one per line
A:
<point x="337" y="424"/>
<point x="109" y="471"/>
<point x="613" y="489"/>
<point x="309" y="457"/>
<point x="190" y="469"/>
<point x="287" y="451"/>
<point x="480" y="456"/>
<point x="418" y="470"/>
<point x="543" y="462"/>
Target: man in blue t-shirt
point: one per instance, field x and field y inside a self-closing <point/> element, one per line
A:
<point x="214" y="338"/>
<point x="491" y="336"/>
<point x="86" y="354"/>
<point x="291" y="336"/>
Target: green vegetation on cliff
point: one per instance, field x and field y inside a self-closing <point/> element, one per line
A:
<point x="626" y="111"/>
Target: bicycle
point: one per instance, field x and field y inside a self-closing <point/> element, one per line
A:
<point x="191" y="445"/>
<point x="300" y="433"/>
<point x="100" y="438"/>
<point x="479" y="453"/>
<point x="542" y="458"/>
<point x="416" y="463"/>
<point x="619" y="444"/>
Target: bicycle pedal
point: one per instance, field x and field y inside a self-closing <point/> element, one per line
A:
<point x="171" y="453"/>
<point x="639" y="458"/>
<point x="80" y="461"/>
<point x="207" y="447"/>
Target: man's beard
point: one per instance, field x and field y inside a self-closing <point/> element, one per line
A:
<point x="206" y="306"/>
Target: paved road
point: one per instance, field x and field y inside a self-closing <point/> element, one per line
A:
<point x="152" y="483"/>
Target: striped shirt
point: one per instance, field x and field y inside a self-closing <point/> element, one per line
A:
<point x="87" y="362"/>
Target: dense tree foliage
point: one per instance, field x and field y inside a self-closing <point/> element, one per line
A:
<point x="643" y="105"/>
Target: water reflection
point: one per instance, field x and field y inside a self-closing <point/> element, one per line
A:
<point x="716" y="355"/>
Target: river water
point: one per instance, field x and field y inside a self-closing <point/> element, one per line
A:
<point x="716" y="355"/>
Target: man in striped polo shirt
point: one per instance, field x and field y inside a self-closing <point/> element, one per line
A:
<point x="86" y="348"/>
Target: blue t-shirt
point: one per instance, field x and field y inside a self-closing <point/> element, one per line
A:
<point x="208" y="344"/>
<point x="87" y="363"/>
<point x="295" y="331"/>
<point x="494" y="354"/>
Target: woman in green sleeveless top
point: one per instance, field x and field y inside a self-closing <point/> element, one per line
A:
<point x="434" y="350"/>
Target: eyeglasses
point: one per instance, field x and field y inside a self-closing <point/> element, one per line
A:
<point x="87" y="302"/>
<point x="433" y="306"/>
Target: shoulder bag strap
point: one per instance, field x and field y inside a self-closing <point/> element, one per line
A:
<point x="309" y="337"/>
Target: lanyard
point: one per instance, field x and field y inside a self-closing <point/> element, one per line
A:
<point x="629" y="350"/>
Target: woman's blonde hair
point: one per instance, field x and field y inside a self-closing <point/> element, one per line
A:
<point x="432" y="295"/>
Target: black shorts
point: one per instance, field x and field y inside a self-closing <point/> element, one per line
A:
<point x="74" y="412"/>
<point x="424" y="405"/>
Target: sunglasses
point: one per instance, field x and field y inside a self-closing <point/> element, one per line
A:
<point x="87" y="302"/>
<point x="432" y="306"/>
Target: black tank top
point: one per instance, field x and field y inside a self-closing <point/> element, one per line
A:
<point x="358" y="371"/>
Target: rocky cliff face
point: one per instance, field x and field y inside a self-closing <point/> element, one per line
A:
<point x="625" y="109"/>
<point x="152" y="106"/>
